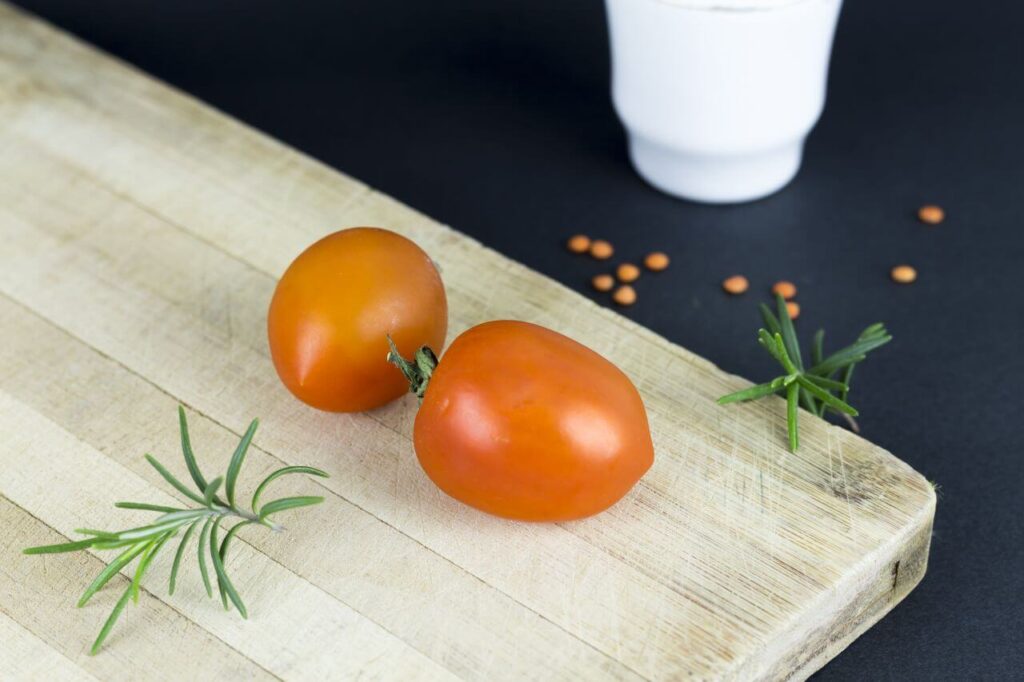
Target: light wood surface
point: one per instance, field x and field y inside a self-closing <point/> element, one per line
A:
<point x="140" y="237"/>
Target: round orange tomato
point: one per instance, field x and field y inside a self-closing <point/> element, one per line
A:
<point x="334" y="308"/>
<point x="523" y="422"/>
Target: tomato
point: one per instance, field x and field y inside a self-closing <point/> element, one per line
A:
<point x="523" y="422"/>
<point x="334" y="308"/>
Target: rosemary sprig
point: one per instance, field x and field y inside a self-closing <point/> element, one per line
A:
<point x="145" y="542"/>
<point x="822" y="387"/>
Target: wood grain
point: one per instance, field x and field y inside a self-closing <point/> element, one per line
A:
<point x="27" y="657"/>
<point x="142" y="233"/>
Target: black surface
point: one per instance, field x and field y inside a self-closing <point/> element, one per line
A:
<point x="494" y="117"/>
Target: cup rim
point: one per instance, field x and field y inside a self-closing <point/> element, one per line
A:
<point x="738" y="6"/>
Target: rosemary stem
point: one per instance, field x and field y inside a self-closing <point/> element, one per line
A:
<point x="234" y="511"/>
<point x="816" y="389"/>
<point x="248" y="516"/>
<point x="212" y="510"/>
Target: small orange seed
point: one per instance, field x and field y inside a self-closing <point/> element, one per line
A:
<point x="627" y="272"/>
<point x="786" y="290"/>
<point x="930" y="214"/>
<point x="624" y="295"/>
<point x="603" y="282"/>
<point x="736" y="284"/>
<point x="579" y="243"/>
<point x="601" y="250"/>
<point x="903" y="274"/>
<point x="656" y="261"/>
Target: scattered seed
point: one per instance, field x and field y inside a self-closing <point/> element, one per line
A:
<point x="603" y="282"/>
<point x="579" y="243"/>
<point x="736" y="284"/>
<point x="786" y="290"/>
<point x="624" y="295"/>
<point x="627" y="272"/>
<point x="601" y="250"/>
<point x="930" y="214"/>
<point x="656" y="261"/>
<point x="903" y="274"/>
<point x="793" y="309"/>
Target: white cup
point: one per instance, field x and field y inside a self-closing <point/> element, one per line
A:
<point x="717" y="96"/>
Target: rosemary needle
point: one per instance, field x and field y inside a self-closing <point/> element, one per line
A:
<point x="822" y="387"/>
<point x="146" y="541"/>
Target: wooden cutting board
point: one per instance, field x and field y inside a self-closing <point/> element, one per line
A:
<point x="141" y="233"/>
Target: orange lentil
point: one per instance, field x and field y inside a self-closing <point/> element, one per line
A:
<point x="930" y="214"/>
<point x="624" y="295"/>
<point x="579" y="243"/>
<point x="627" y="272"/>
<point x="601" y="250"/>
<point x="656" y="261"/>
<point x="786" y="290"/>
<point x="793" y="309"/>
<point x="903" y="274"/>
<point x="603" y="282"/>
<point x="736" y="284"/>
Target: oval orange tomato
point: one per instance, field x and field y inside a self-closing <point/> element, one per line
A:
<point x="523" y="422"/>
<point x="334" y="308"/>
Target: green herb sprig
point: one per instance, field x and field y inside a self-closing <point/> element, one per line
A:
<point x="212" y="513"/>
<point x="822" y="387"/>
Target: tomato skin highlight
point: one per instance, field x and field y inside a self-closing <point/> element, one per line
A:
<point x="334" y="307"/>
<point x="525" y="423"/>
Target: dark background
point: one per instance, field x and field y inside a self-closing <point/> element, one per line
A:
<point x="494" y="117"/>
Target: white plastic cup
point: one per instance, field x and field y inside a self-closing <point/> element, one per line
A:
<point x="717" y="96"/>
